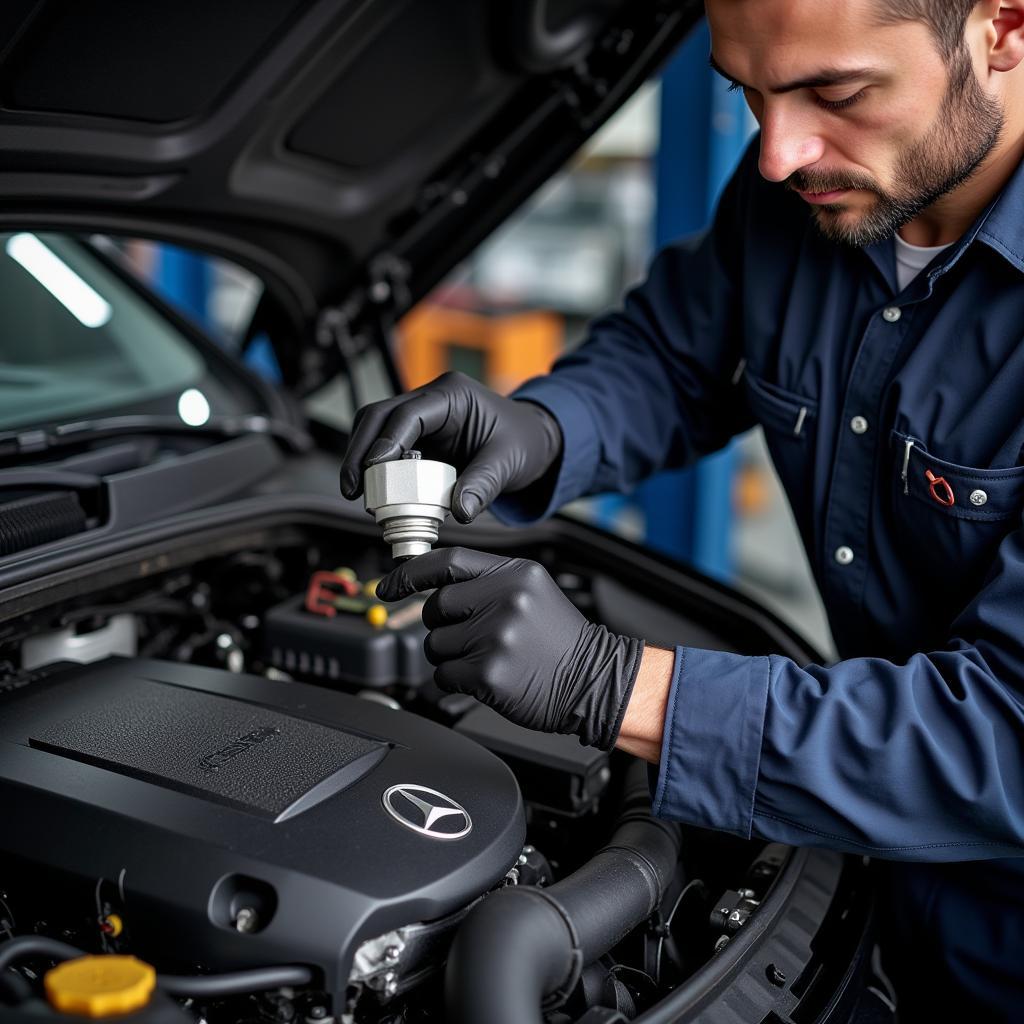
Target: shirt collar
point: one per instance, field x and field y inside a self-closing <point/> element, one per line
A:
<point x="1000" y="226"/>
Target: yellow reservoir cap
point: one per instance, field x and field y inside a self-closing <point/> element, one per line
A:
<point x="100" y="986"/>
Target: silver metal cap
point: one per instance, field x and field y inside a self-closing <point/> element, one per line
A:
<point x="409" y="498"/>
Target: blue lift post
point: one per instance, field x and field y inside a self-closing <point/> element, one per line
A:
<point x="703" y="132"/>
<point x="184" y="279"/>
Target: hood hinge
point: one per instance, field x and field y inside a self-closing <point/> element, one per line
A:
<point x="365" y="318"/>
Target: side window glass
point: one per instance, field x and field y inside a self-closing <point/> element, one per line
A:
<point x="217" y="294"/>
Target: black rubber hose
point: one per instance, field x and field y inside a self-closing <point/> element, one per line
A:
<point x="14" y="989"/>
<point x="521" y="946"/>
<point x="35" y="945"/>
<point x="201" y="986"/>
<point x="216" y="986"/>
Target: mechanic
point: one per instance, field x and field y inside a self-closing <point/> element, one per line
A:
<point x="860" y="294"/>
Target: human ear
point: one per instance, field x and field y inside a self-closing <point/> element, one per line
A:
<point x="1005" y="30"/>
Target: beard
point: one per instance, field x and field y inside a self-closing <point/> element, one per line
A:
<point x="966" y="130"/>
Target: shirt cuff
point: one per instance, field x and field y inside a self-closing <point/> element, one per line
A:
<point x="580" y="454"/>
<point x="711" y="748"/>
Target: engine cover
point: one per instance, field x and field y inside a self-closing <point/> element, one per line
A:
<point x="184" y="795"/>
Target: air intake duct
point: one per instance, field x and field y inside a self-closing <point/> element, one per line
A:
<point x="524" y="947"/>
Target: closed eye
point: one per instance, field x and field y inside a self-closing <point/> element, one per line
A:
<point x="840" y="104"/>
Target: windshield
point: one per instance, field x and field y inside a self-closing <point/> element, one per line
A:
<point x="76" y="340"/>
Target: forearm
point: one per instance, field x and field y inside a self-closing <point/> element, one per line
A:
<point x="914" y="760"/>
<point x="644" y="721"/>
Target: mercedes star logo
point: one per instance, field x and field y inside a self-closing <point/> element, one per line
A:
<point x="427" y="811"/>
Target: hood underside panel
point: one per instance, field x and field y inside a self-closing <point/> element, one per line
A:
<point x="327" y="142"/>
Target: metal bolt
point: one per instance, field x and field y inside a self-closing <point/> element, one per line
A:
<point x="247" y="920"/>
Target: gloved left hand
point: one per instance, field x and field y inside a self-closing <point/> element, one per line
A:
<point x="503" y="631"/>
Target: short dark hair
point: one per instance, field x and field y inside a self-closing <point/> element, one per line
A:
<point x="946" y="18"/>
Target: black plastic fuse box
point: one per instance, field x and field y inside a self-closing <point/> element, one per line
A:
<point x="346" y="647"/>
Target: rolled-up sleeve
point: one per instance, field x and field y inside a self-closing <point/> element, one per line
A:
<point x="922" y="760"/>
<point x="713" y="737"/>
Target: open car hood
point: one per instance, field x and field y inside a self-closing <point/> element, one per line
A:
<point x="349" y="151"/>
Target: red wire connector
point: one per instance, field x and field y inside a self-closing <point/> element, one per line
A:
<point x="323" y="588"/>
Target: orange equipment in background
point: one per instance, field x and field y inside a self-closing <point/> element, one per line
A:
<point x="501" y="351"/>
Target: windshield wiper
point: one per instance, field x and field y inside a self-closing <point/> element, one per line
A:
<point x="15" y="443"/>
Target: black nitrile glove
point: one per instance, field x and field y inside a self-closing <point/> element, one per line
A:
<point x="502" y="631"/>
<point x="498" y="444"/>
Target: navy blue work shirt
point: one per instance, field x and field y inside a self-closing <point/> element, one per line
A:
<point x="895" y="420"/>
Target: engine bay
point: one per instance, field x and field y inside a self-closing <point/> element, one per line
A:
<point x="237" y="768"/>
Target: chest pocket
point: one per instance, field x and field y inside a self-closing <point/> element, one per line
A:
<point x="950" y="519"/>
<point x="960" y="492"/>
<point x="790" y="422"/>
<point x="783" y="414"/>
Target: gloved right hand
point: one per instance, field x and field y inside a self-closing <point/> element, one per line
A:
<point x="497" y="444"/>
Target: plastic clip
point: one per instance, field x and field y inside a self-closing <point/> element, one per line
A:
<point x="938" y="487"/>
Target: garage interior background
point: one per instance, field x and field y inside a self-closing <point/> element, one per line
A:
<point x="652" y="174"/>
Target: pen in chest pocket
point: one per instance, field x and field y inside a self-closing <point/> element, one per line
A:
<point x="907" y="448"/>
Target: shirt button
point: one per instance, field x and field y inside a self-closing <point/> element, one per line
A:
<point x="979" y="498"/>
<point x="891" y="314"/>
<point x="844" y="555"/>
<point x="859" y="425"/>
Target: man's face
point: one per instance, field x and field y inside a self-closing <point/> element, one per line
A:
<point x="868" y="123"/>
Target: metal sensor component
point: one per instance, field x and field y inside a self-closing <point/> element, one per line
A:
<point x="247" y="920"/>
<point x="409" y="498"/>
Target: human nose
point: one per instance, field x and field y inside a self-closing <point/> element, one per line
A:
<point x="788" y="144"/>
